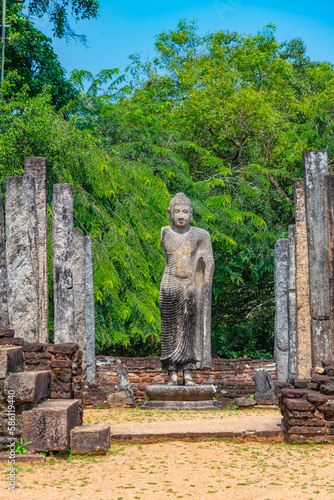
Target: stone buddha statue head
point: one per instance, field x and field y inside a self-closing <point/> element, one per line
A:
<point x="180" y="211"/>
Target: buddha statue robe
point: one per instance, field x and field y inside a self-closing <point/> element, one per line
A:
<point x="185" y="299"/>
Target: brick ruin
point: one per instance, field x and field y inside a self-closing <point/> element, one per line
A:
<point x="307" y="406"/>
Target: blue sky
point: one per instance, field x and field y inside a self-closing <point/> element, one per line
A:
<point x="125" y="27"/>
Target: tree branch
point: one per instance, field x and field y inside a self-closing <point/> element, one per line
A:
<point x="279" y="189"/>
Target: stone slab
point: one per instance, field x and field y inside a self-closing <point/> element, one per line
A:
<point x="262" y="429"/>
<point x="11" y="360"/>
<point x="90" y="439"/>
<point x="164" y="392"/>
<point x="48" y="426"/>
<point x="26" y="458"/>
<point x="29" y="387"/>
<point x="303" y="315"/>
<point x="182" y="405"/>
<point x="36" y="168"/>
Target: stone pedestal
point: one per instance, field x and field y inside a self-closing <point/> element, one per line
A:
<point x="180" y="397"/>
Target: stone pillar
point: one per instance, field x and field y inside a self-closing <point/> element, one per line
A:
<point x="330" y="233"/>
<point x="79" y="292"/>
<point x="303" y="319"/>
<point x="4" y="318"/>
<point x="62" y="247"/>
<point x="22" y="257"/>
<point x="292" y="303"/>
<point x="281" y="309"/>
<point x="90" y="312"/>
<point x="36" y="168"/>
<point x="315" y="171"/>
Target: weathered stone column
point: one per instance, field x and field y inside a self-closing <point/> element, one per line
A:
<point x="36" y="168"/>
<point x="303" y="318"/>
<point x="330" y="233"/>
<point x="281" y="309"/>
<point x="90" y="312"/>
<point x="4" y="318"/>
<point x="315" y="171"/>
<point x="292" y="303"/>
<point x="62" y="245"/>
<point x="79" y="292"/>
<point x="22" y="257"/>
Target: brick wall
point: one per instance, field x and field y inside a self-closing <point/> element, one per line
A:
<point x="232" y="377"/>
<point x="307" y="406"/>
<point x="64" y="361"/>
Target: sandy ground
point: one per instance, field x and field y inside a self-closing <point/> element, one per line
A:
<point x="201" y="470"/>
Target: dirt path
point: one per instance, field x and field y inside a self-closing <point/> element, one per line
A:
<point x="203" y="470"/>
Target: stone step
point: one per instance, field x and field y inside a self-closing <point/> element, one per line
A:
<point x="48" y="426"/>
<point x="29" y="387"/>
<point x="257" y="428"/>
<point x="11" y="360"/>
<point x="90" y="439"/>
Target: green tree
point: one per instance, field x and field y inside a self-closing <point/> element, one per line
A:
<point x="32" y="60"/>
<point x="60" y="11"/>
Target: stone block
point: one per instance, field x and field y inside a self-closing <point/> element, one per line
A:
<point x="294" y="393"/>
<point x="300" y="383"/>
<point x="307" y="430"/>
<point x="6" y="341"/>
<point x="6" y="333"/>
<point x="90" y="439"/>
<point x="245" y="402"/>
<point x="327" y="389"/>
<point x="298" y="404"/>
<point x="316" y="397"/>
<point x="48" y="426"/>
<point x="315" y="422"/>
<point x="121" y="399"/>
<point x="11" y="360"/>
<point x="29" y="387"/>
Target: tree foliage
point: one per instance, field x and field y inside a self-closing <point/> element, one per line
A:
<point x="32" y="60"/>
<point x="60" y="11"/>
<point x="223" y="117"/>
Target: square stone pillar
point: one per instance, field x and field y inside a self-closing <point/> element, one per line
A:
<point x="4" y="318"/>
<point x="281" y="309"/>
<point x="303" y="318"/>
<point x="84" y="312"/>
<point x="22" y="257"/>
<point x="36" y="168"/>
<point x="292" y="303"/>
<point x="62" y="247"/>
<point x="330" y="234"/>
<point x="79" y="291"/>
<point x="315" y="171"/>
<point x="90" y="312"/>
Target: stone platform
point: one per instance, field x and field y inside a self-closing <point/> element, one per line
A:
<point x="180" y="397"/>
<point x="260" y="429"/>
